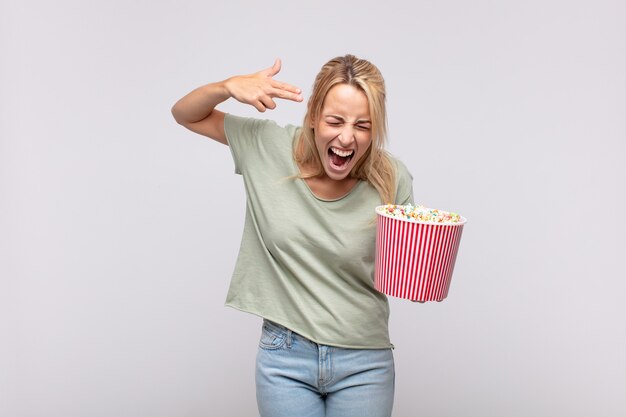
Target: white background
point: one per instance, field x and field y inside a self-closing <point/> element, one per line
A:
<point x="119" y="229"/>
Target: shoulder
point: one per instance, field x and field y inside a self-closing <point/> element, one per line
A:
<point x="403" y="180"/>
<point x="401" y="170"/>
<point x="253" y="126"/>
<point x="256" y="142"/>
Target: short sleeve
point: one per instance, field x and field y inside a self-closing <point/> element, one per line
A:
<point x="242" y="134"/>
<point x="404" y="179"/>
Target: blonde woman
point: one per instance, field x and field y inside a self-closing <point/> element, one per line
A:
<point x="307" y="254"/>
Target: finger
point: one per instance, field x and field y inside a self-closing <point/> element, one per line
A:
<point x="287" y="87"/>
<point x="274" y="69"/>
<point x="259" y="106"/>
<point x="286" y="91"/>
<point x="287" y="95"/>
<point x="268" y="103"/>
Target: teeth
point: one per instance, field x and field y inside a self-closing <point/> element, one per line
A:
<point x="341" y="153"/>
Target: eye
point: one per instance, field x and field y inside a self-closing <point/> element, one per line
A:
<point x="363" y="127"/>
<point x="329" y="123"/>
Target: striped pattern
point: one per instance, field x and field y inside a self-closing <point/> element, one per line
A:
<point x="415" y="261"/>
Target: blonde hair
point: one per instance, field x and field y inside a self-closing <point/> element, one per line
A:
<point x="376" y="166"/>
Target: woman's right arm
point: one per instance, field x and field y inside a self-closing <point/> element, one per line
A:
<point x="196" y="111"/>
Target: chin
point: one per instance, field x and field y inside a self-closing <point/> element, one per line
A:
<point x="337" y="176"/>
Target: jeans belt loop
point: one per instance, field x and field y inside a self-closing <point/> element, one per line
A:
<point x="289" y="338"/>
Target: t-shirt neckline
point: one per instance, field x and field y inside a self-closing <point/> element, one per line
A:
<point x="325" y="200"/>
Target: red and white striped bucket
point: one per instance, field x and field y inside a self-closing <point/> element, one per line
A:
<point x="415" y="260"/>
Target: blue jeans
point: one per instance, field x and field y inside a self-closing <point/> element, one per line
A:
<point x="296" y="377"/>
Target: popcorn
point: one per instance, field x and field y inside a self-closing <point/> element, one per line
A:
<point x="419" y="214"/>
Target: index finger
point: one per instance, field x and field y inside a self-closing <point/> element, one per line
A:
<point x="287" y="91"/>
<point x="286" y="87"/>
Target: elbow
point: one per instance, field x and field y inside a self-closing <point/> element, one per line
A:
<point x="176" y="114"/>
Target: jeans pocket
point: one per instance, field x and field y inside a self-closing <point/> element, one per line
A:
<point x="272" y="336"/>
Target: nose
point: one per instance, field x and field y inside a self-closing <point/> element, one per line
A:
<point x="346" y="137"/>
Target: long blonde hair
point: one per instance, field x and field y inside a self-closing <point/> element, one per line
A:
<point x="376" y="166"/>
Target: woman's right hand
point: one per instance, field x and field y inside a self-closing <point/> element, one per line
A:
<point x="260" y="89"/>
<point x="196" y="111"/>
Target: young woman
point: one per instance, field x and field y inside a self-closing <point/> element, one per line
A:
<point x="306" y="260"/>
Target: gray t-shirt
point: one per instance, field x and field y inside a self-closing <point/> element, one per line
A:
<point x="304" y="262"/>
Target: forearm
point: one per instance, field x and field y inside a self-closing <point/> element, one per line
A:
<point x="198" y="104"/>
<point x="196" y="111"/>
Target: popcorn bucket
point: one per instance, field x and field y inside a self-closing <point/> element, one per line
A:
<point x="415" y="259"/>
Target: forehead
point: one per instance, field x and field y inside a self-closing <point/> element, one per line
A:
<point x="346" y="100"/>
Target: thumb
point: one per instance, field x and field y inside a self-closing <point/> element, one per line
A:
<point x="274" y="69"/>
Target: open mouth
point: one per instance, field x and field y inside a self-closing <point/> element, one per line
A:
<point x="338" y="157"/>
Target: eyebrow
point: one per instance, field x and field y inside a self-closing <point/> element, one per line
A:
<point x="343" y="120"/>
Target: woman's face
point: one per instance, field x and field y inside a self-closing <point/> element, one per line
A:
<point x="344" y="130"/>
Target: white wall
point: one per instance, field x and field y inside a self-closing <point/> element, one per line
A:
<point x="119" y="229"/>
